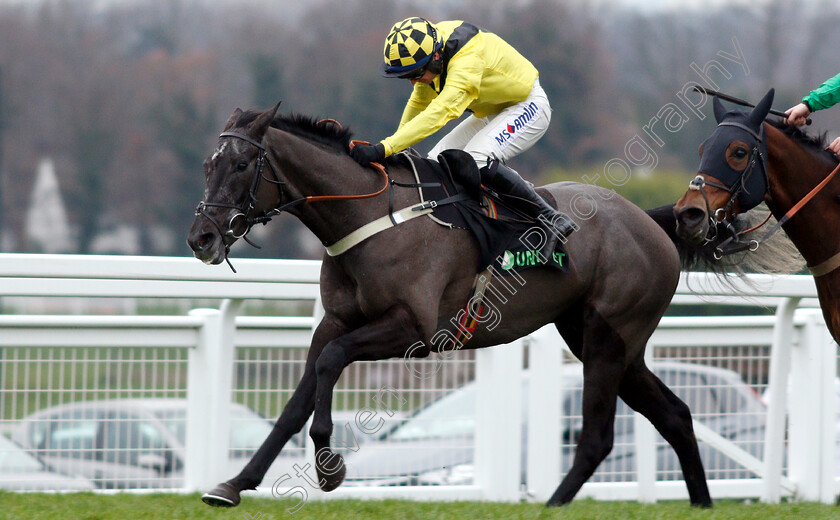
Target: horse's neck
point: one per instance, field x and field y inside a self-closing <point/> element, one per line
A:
<point x="310" y="170"/>
<point x="794" y="172"/>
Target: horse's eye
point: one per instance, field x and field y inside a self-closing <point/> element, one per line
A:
<point x="740" y="153"/>
<point x="241" y="166"/>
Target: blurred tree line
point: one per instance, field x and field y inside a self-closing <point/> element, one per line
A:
<point x="128" y="97"/>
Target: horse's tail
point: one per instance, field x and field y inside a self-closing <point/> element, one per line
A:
<point x="777" y="255"/>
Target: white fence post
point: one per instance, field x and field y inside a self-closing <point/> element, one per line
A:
<point x="209" y="390"/>
<point x="198" y="404"/>
<point x="645" y="445"/>
<point x="318" y="313"/>
<point x="545" y="361"/>
<point x="812" y="414"/>
<point x="498" y="421"/>
<point x="827" y="349"/>
<point x="774" y="435"/>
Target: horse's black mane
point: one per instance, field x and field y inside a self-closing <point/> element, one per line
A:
<point x="326" y="133"/>
<point x="815" y="143"/>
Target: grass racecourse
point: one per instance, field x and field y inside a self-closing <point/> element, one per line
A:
<point x="89" y="506"/>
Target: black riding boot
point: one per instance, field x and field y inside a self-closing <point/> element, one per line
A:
<point x="524" y="198"/>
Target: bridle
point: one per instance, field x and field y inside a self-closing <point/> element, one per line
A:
<point x="739" y="187"/>
<point x="245" y="210"/>
<point x="740" y="245"/>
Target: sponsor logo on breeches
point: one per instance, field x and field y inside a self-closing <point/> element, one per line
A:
<point x="523" y="120"/>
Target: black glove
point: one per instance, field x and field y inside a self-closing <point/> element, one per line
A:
<point x="366" y="154"/>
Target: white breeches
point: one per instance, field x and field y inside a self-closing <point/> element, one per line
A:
<point x="503" y="135"/>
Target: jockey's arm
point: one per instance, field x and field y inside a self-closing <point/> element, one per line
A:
<point x="449" y="105"/>
<point x="420" y="98"/>
<point x="461" y="88"/>
<point x="824" y="96"/>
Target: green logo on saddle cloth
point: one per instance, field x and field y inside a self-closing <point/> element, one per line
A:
<point x="529" y="258"/>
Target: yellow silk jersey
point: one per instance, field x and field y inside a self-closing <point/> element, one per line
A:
<point x="482" y="73"/>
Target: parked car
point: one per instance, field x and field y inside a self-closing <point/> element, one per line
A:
<point x="137" y="443"/>
<point x="435" y="446"/>
<point x="347" y="437"/>
<point x="20" y="471"/>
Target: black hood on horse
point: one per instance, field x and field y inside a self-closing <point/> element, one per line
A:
<point x="736" y="153"/>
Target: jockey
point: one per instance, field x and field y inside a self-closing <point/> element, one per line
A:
<point x="456" y="67"/>
<point x="825" y="96"/>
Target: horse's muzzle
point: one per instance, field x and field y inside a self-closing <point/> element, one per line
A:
<point x="692" y="224"/>
<point x="207" y="245"/>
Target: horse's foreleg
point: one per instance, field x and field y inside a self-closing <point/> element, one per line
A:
<point x="291" y="421"/>
<point x="648" y="395"/>
<point x="388" y="336"/>
<point x="603" y="364"/>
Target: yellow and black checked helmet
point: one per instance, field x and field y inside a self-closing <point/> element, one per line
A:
<point x="409" y="46"/>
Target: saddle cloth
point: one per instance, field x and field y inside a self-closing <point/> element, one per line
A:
<point x="506" y="237"/>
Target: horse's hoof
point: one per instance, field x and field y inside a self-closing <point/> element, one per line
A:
<point x="222" y="495"/>
<point x="332" y="479"/>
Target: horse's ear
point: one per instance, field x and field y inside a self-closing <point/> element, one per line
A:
<point x="233" y="118"/>
<point x="718" y="109"/>
<point x="761" y="110"/>
<point x="258" y="128"/>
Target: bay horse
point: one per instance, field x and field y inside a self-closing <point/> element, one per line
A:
<point x="748" y="160"/>
<point x="391" y="292"/>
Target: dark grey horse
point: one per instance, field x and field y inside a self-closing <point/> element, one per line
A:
<point x="396" y="289"/>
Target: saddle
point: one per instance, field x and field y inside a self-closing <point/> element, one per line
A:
<point x="452" y="186"/>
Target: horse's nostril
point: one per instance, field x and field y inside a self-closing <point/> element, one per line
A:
<point x="205" y="240"/>
<point x="691" y="216"/>
<point x="202" y="243"/>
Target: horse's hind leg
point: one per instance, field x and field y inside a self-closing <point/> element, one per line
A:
<point x="648" y="395"/>
<point x="602" y="352"/>
<point x="294" y="416"/>
<point x="390" y="335"/>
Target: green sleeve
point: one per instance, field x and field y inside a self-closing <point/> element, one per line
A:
<point x="824" y="96"/>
